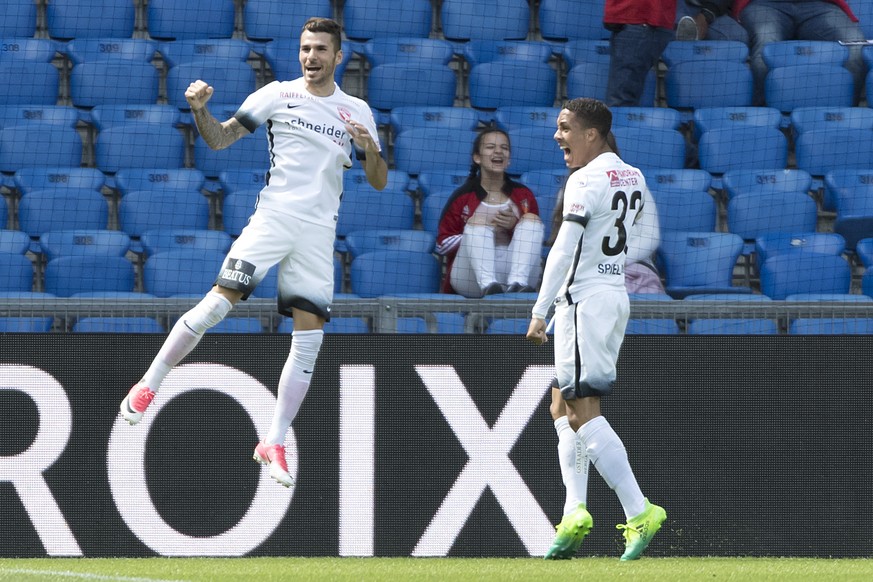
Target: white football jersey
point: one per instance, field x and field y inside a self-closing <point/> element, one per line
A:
<point x="309" y="146"/>
<point x="604" y="197"/>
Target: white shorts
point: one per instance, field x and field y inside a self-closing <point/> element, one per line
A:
<point x="588" y="336"/>
<point x="303" y="250"/>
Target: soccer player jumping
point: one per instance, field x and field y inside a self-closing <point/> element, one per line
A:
<point x="584" y="279"/>
<point x="312" y="128"/>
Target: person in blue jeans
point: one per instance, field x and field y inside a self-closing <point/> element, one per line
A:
<point x="707" y="20"/>
<point x="777" y="20"/>
<point x="640" y="33"/>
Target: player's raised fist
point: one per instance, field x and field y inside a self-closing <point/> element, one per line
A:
<point x="197" y="94"/>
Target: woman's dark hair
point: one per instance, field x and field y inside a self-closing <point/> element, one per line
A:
<point x="474" y="178"/>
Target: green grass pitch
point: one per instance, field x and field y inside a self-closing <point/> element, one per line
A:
<point x="435" y="569"/>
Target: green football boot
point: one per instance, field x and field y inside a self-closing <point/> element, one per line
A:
<point x="571" y="531"/>
<point x="640" y="530"/>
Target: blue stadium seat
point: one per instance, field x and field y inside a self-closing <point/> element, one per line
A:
<point x="19" y="19"/>
<point x="161" y="240"/>
<point x="408" y="117"/>
<point x="365" y="241"/>
<point x="834" y="180"/>
<point x="810" y="118"/>
<point x="26" y="324"/>
<point x="173" y="20"/>
<point x="195" y="50"/>
<point x="17" y="272"/>
<point x="139" y="145"/>
<point x="685" y="210"/>
<point x="445" y="181"/>
<point x="775" y="243"/>
<point x="90" y="18"/>
<point x="79" y="242"/>
<point x="732" y="326"/>
<point x="700" y="262"/>
<point x="42" y="211"/>
<point x="787" y="88"/>
<point x="356" y="179"/>
<point x="831" y="326"/>
<point x="755" y="180"/>
<point x="432" y="209"/>
<point x="409" y="50"/>
<point x="275" y="19"/>
<point x="514" y="116"/>
<point x="685" y="179"/>
<point x="277" y="54"/>
<point x="251" y="151"/>
<point x="39" y="178"/>
<point x="533" y="148"/>
<point x="649" y="148"/>
<point x="653" y="117"/>
<point x="820" y="151"/>
<point x="238" y="325"/>
<point x="117" y="325"/>
<point x="364" y="210"/>
<point x="589" y="79"/>
<point x="388" y="272"/>
<point x="581" y="51"/>
<point x="242" y="179"/>
<point x="705" y="50"/>
<point x="485" y="51"/>
<point x="113" y="82"/>
<point x="652" y="327"/>
<point x="13" y="49"/>
<point x="397" y="84"/>
<point x="12" y="241"/>
<point x="233" y="80"/>
<point x="495" y="84"/>
<point x="788" y="53"/>
<point x="39" y="144"/>
<point x="498" y="20"/>
<point x="562" y="20"/>
<point x="335" y="325"/>
<point x="412" y="325"/>
<point x="690" y="85"/>
<point x="366" y="19"/>
<point x="757" y="213"/>
<point x="236" y="210"/>
<point x="71" y="274"/>
<point x="268" y="287"/>
<point x="708" y="118"/>
<point x="864" y="251"/>
<point x="86" y="50"/>
<point x="109" y="115"/>
<point x="854" y="207"/>
<point x="450" y="322"/>
<point x="145" y="210"/>
<point x="722" y="150"/>
<point x="181" y="272"/>
<point x="61" y="115"/>
<point x="132" y="179"/>
<point x="37" y="83"/>
<point x="508" y="326"/>
<point x="801" y="272"/>
<point x="434" y="150"/>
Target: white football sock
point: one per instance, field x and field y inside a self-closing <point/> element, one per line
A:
<point x="609" y="457"/>
<point x="573" y="461"/>
<point x="294" y="382"/>
<point x="185" y="335"/>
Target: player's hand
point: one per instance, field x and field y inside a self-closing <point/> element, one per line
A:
<point x="536" y="331"/>
<point x="362" y="137"/>
<point x="198" y="94"/>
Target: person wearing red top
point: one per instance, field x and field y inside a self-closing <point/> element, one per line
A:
<point x="640" y="32"/>
<point x="769" y="21"/>
<point x="490" y="229"/>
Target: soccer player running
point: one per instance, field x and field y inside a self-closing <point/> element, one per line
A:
<point x="584" y="279"/>
<point x="312" y="127"/>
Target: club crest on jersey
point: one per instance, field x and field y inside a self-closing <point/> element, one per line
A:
<point x="621" y="178"/>
<point x="344" y="114"/>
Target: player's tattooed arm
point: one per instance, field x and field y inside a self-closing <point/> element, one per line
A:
<point x="216" y="134"/>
